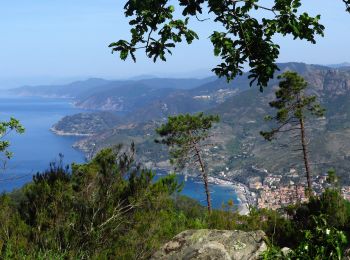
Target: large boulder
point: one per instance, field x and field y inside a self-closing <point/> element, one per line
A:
<point x="213" y="244"/>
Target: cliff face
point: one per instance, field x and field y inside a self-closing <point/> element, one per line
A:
<point x="214" y="244"/>
<point x="329" y="82"/>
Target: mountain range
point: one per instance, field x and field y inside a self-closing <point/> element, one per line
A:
<point x="131" y="110"/>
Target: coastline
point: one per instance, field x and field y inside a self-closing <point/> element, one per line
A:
<point x="63" y="133"/>
<point x="243" y="207"/>
<point x="240" y="189"/>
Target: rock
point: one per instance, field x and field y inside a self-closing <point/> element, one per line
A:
<point x="213" y="244"/>
<point x="285" y="251"/>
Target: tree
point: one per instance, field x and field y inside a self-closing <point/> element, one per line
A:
<point x="187" y="135"/>
<point x="5" y="128"/>
<point x="248" y="29"/>
<point x="293" y="107"/>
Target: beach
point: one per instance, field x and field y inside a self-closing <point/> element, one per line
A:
<point x="241" y="190"/>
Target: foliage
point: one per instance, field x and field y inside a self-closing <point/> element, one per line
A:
<point x="292" y="104"/>
<point x="322" y="242"/>
<point x="330" y="204"/>
<point x="112" y="208"/>
<point x="187" y="136"/>
<point x="347" y="3"/>
<point x="94" y="210"/>
<point x="5" y="128"/>
<point x="332" y="178"/>
<point x="13" y="232"/>
<point x="318" y="229"/>
<point x="272" y="252"/>
<point x="183" y="134"/>
<point x="248" y="29"/>
<point x="54" y="230"/>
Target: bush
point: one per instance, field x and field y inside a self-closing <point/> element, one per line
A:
<point x="321" y="242"/>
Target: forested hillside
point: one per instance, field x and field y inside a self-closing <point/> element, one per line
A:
<point x="242" y="111"/>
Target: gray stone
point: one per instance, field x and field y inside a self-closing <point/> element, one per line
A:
<point x="285" y="251"/>
<point x="213" y="244"/>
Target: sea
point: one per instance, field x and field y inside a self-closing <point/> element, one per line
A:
<point x="38" y="146"/>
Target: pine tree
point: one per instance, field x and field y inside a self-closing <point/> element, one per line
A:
<point x="294" y="106"/>
<point x="187" y="135"/>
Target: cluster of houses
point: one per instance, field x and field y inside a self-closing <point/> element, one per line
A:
<point x="277" y="191"/>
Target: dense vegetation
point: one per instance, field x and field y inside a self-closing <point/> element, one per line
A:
<point x="112" y="208"/>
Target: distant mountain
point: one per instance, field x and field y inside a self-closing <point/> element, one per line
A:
<point x="154" y="99"/>
<point x="83" y="89"/>
<point x="71" y="90"/>
<point x="141" y="77"/>
<point x="197" y="73"/>
<point x="151" y="98"/>
<point x="243" y="116"/>
<point x="193" y="100"/>
<point x="340" y="65"/>
<point x="204" y="97"/>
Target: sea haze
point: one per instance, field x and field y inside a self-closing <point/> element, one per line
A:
<point x="38" y="146"/>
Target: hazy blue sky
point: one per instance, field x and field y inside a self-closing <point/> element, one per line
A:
<point x="42" y="41"/>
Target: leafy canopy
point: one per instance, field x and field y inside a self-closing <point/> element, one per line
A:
<point x="184" y="134"/>
<point x="248" y="30"/>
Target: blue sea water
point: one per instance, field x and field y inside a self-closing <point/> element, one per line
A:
<point x="220" y="194"/>
<point x="38" y="146"/>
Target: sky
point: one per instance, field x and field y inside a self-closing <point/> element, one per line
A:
<point x="46" y="42"/>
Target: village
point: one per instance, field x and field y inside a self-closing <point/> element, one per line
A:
<point x="277" y="191"/>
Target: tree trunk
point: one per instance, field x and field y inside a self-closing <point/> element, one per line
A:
<point x="206" y="187"/>
<point x="305" y="155"/>
<point x="205" y="178"/>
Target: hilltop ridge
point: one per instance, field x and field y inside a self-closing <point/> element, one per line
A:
<point x="140" y="106"/>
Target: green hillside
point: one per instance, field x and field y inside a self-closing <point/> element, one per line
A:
<point x="242" y="118"/>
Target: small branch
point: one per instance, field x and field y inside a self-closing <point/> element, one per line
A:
<point x="148" y="38"/>
<point x="256" y="5"/>
<point x="201" y="20"/>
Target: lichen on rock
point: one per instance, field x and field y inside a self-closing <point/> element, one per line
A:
<point x="213" y="244"/>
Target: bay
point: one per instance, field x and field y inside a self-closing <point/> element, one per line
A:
<point x="38" y="146"/>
